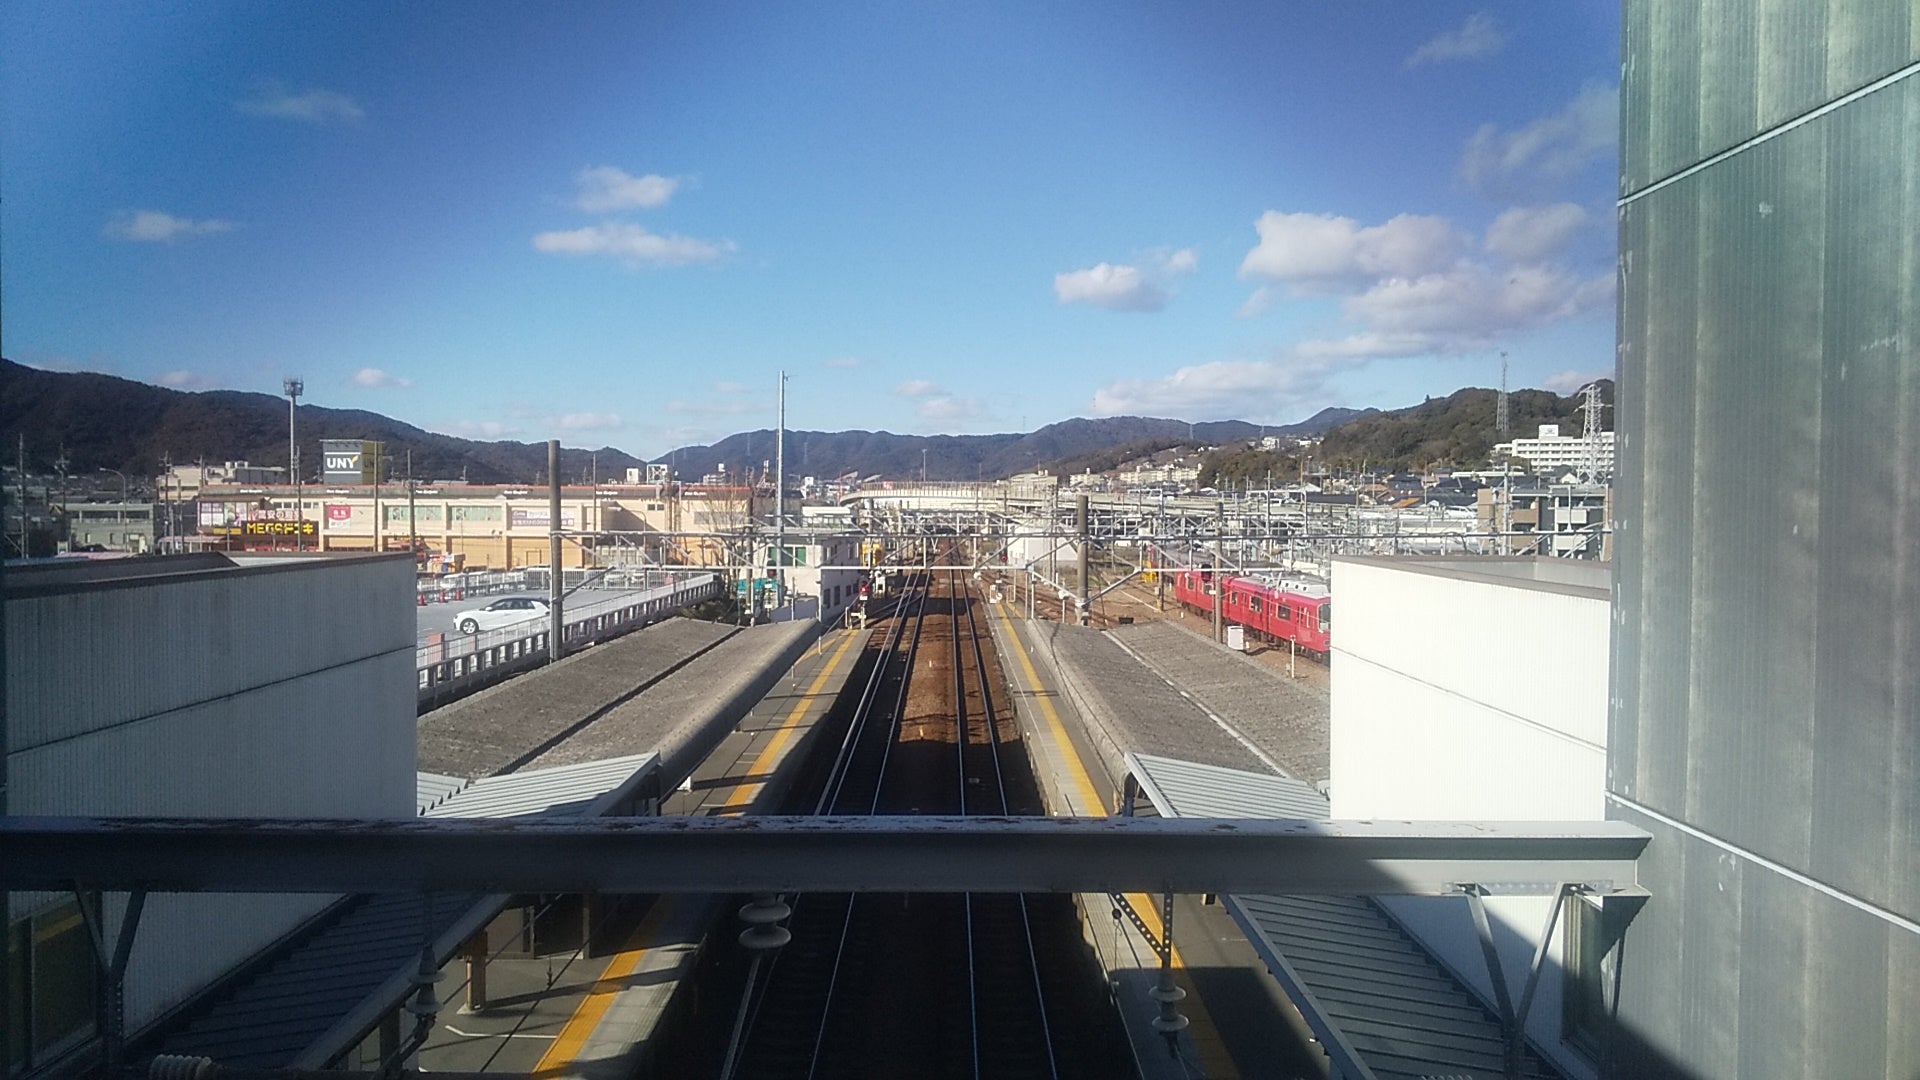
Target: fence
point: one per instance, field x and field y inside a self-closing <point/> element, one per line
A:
<point x="451" y="665"/>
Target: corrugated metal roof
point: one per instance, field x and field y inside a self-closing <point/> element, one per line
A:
<point x="269" y="1018"/>
<point x="1189" y="789"/>
<point x="362" y="953"/>
<point x="562" y="790"/>
<point x="1380" y="1005"/>
<point x="431" y="788"/>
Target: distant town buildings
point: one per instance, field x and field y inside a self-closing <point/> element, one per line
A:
<point x="1553" y="454"/>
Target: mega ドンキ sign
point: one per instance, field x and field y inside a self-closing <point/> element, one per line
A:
<point x="307" y="529"/>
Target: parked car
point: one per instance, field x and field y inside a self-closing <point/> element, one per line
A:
<point x="505" y="611"/>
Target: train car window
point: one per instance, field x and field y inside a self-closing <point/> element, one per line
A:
<point x="1283" y="612"/>
<point x="1326" y="615"/>
<point x="1253" y="603"/>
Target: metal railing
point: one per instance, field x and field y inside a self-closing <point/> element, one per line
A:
<point x="452" y="664"/>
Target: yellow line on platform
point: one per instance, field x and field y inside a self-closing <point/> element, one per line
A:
<point x="586" y="1016"/>
<point x="1207" y="1045"/>
<point x="764" y="762"/>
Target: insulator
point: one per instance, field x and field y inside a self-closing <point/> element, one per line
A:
<point x="761" y="912"/>
<point x="762" y="938"/>
<point x="1170" y="1025"/>
<point x="181" y="1067"/>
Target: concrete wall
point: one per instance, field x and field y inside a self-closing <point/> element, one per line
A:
<point x="1473" y="689"/>
<point x="279" y="690"/>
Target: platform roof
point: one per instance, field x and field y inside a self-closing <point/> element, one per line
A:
<point x="1379" y="1004"/>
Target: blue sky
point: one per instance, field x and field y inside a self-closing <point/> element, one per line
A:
<point x="614" y="223"/>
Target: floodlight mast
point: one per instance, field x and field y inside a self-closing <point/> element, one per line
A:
<point x="293" y="388"/>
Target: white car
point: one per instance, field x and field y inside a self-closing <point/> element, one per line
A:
<point x="505" y="611"/>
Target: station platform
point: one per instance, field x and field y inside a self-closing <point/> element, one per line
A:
<point x="504" y="727"/>
<point x="602" y="1020"/>
<point x="1240" y="1023"/>
<point x="1277" y="986"/>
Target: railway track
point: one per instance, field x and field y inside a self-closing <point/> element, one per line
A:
<point x="962" y="986"/>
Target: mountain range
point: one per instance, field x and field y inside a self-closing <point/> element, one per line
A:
<point x="94" y="421"/>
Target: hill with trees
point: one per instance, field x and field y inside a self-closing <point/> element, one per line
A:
<point x="1457" y="431"/>
<point x="103" y="422"/>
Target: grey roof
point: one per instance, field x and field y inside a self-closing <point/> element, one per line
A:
<point x="582" y="790"/>
<point x="1207" y="791"/>
<point x="431" y="788"/>
<point x="1379" y="1004"/>
<point x="313" y="998"/>
<point x="271" y="1016"/>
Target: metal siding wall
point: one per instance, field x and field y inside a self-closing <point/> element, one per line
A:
<point x="1768" y="577"/>
<point x="336" y="743"/>
<point x="1741" y="67"/>
<point x="151" y="648"/>
<point x="308" y="711"/>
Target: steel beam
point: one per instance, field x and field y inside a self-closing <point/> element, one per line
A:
<point x="777" y="854"/>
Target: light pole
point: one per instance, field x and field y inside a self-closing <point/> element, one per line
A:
<point x="294" y="388"/>
<point x="123" y="481"/>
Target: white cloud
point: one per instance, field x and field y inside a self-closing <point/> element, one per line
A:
<point x="157" y="227"/>
<point x="842" y="362"/>
<point x="1481" y="36"/>
<point x="1106" y="285"/>
<point x="1122" y="287"/>
<point x="632" y="245"/>
<point x="185" y="380"/>
<point x="1566" y="382"/>
<point x="1546" y="153"/>
<point x="1322" y="251"/>
<point x="1222" y="388"/>
<point x="589" y="421"/>
<point x="949" y="407"/>
<point x="918" y="388"/>
<point x="1472" y="304"/>
<point x="483" y="429"/>
<point x="1532" y="233"/>
<point x="730" y="387"/>
<point x="604" y="188"/>
<point x="374" y="377"/>
<point x="312" y="106"/>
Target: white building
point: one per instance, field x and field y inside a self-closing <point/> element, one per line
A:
<point x="821" y="565"/>
<point x="1475" y="689"/>
<point x="1553" y="453"/>
<point x="193" y="686"/>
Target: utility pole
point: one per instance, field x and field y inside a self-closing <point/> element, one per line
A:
<point x="294" y="388"/>
<point x="780" y="499"/>
<point x="555" y="623"/>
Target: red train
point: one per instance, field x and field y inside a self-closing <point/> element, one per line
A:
<point x="1295" y="611"/>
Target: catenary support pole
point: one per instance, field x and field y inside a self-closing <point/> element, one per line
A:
<point x="780" y="501"/>
<point x="1080" y="531"/>
<point x="555" y="620"/>
<point x="1219" y="565"/>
